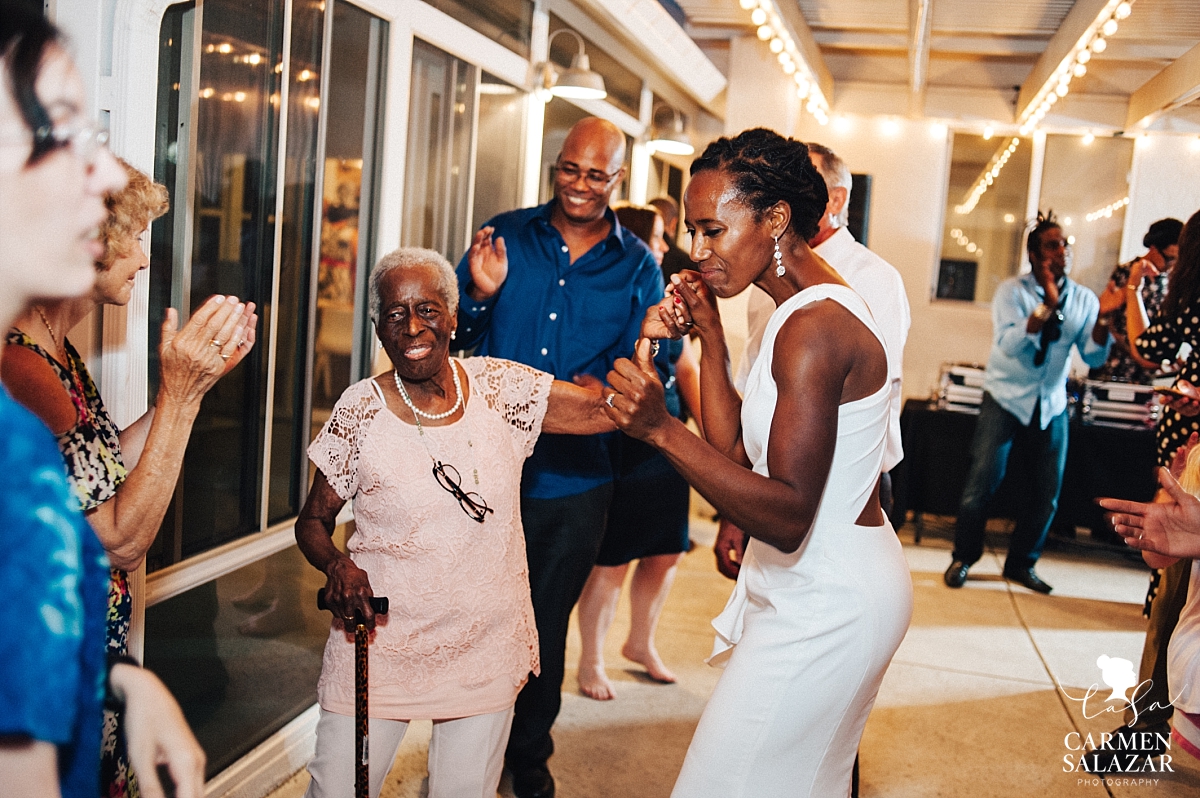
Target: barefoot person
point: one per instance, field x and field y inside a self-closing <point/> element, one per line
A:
<point x="647" y="520"/>
<point x="823" y="596"/>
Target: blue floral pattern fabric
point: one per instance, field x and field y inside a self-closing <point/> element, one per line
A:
<point x="91" y="451"/>
<point x="55" y="575"/>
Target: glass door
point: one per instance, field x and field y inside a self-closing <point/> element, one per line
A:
<point x="267" y="143"/>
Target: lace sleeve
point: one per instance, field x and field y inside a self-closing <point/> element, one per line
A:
<point x="517" y="392"/>
<point x="335" y="449"/>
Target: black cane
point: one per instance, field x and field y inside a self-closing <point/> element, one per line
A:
<point x="362" y="765"/>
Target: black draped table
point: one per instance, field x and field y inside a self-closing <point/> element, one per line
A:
<point x="1101" y="461"/>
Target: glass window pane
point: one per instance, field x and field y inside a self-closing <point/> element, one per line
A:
<point x="982" y="239"/>
<point x="352" y="117"/>
<point x="501" y="131"/>
<point x="508" y="22"/>
<point x="242" y="653"/>
<point x="438" y="179"/>
<point x="623" y="84"/>
<point x="1079" y="181"/>
<point x="288" y="434"/>
<point x="231" y="232"/>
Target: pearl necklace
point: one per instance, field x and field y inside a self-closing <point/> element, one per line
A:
<point x="417" y="412"/>
<point x="434" y="416"/>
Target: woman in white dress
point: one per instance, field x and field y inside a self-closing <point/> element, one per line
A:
<point x="824" y="596"/>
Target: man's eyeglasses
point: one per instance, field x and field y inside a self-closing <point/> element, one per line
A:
<point x="595" y="179"/>
<point x="472" y="503"/>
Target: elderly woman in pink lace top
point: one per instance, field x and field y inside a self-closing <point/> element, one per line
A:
<point x="431" y="454"/>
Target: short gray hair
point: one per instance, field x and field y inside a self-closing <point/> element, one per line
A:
<point x="408" y="258"/>
<point x="835" y="172"/>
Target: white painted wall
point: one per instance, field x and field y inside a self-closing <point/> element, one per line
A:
<point x="1165" y="182"/>
<point x="908" y="161"/>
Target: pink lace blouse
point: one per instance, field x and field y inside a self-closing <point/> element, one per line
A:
<point x="460" y="638"/>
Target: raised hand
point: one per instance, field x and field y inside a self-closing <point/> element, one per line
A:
<point x="1170" y="528"/>
<point x="697" y="303"/>
<point x="1187" y="404"/>
<point x="216" y="338"/>
<point x="1112" y="299"/>
<point x="636" y="404"/>
<point x="488" y="259"/>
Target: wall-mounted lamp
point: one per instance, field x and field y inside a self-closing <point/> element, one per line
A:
<point x="578" y="82"/>
<point x="671" y="140"/>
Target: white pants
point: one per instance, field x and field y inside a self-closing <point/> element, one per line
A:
<point x="466" y="755"/>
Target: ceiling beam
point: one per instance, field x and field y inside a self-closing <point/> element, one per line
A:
<point x="802" y="35"/>
<point x="920" y="29"/>
<point x="1078" y="22"/>
<point x="1175" y="86"/>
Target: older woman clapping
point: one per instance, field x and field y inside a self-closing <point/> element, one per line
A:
<point x="431" y="454"/>
<point x="123" y="480"/>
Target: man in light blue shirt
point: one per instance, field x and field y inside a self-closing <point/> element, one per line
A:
<point x="1036" y="319"/>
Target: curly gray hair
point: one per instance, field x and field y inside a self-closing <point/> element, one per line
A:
<point x="408" y="258"/>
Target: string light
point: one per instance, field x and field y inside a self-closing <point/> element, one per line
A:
<point x="1074" y="63"/>
<point x="771" y="28"/>
<point x="990" y="174"/>
<point x="1107" y="211"/>
<point x="961" y="239"/>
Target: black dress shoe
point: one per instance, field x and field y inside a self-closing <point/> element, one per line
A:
<point x="532" y="782"/>
<point x="1028" y="578"/>
<point x="956" y="574"/>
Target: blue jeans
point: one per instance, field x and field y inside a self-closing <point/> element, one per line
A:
<point x="999" y="436"/>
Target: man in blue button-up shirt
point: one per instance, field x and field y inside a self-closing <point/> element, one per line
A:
<point x="564" y="288"/>
<point x="1036" y="319"/>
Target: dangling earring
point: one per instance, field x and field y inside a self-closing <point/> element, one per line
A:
<point x="452" y="334"/>
<point x="778" y="259"/>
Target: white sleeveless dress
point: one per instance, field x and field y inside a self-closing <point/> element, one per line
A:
<point x="806" y="637"/>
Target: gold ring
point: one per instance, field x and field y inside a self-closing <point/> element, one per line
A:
<point x="216" y="343"/>
<point x="609" y="399"/>
<point x="224" y="356"/>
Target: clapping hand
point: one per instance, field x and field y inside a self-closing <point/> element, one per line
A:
<point x="215" y="340"/>
<point x="1170" y="528"/>
<point x="488" y="259"/>
<point x="1112" y="299"/>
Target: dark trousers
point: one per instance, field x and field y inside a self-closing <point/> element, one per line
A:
<point x="562" y="538"/>
<point x="1154" y="700"/>
<point x="999" y="435"/>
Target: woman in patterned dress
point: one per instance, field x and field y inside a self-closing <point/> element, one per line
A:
<point x="430" y="453"/>
<point x="44" y="372"/>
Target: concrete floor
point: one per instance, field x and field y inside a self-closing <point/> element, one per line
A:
<point x="978" y="701"/>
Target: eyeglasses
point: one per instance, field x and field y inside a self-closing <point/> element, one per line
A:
<point x="595" y="179"/>
<point x="83" y="136"/>
<point x="472" y="503"/>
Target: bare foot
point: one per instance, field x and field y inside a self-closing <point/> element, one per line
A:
<point x="594" y="683"/>
<point x="649" y="659"/>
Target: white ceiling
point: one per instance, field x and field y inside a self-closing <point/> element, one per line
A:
<point x="987" y="47"/>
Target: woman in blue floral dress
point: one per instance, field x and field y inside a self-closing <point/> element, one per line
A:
<point x="125" y="504"/>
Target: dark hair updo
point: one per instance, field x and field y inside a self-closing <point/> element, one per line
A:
<point x="767" y="168"/>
